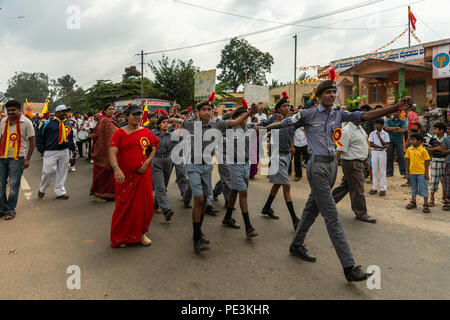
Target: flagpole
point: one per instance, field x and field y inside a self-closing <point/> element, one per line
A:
<point x="409" y="27"/>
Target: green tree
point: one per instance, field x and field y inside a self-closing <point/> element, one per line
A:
<point x="239" y="57"/>
<point x="276" y="84"/>
<point x="303" y="76"/>
<point x="131" y="71"/>
<point x="25" y="85"/>
<point x="175" y="79"/>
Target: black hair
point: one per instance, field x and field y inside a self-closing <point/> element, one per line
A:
<point x="379" y="120"/>
<point x="414" y="130"/>
<point x="13" y="104"/>
<point x="184" y="113"/>
<point x="378" y="107"/>
<point x="440" y="126"/>
<point x="417" y="136"/>
<point x="365" y="107"/>
<point x="107" y="106"/>
<point x="254" y="118"/>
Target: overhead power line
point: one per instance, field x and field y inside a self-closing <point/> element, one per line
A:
<point x="264" y="20"/>
<point x="345" y="9"/>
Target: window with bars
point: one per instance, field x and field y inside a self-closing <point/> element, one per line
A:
<point x="375" y="95"/>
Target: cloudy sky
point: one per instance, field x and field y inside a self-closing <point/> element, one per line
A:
<point x="34" y="34"/>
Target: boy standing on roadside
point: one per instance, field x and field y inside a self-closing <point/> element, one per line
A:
<point x="418" y="164"/>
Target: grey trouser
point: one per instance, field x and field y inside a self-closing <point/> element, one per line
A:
<point x="321" y="178"/>
<point x="182" y="180"/>
<point x="161" y="170"/>
<point x="353" y="183"/>
<point x="223" y="185"/>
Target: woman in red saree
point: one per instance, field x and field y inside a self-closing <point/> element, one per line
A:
<point x="131" y="158"/>
<point x="103" y="187"/>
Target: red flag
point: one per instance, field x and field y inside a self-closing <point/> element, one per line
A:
<point x="412" y="19"/>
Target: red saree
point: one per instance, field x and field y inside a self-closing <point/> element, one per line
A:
<point x="134" y="197"/>
<point x="103" y="177"/>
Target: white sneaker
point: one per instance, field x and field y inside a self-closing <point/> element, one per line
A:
<point x="92" y="161"/>
<point x="72" y="169"/>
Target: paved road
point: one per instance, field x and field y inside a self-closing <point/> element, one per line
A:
<point x="412" y="251"/>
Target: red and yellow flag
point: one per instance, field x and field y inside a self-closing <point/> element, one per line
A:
<point x="412" y="19"/>
<point x="145" y="119"/>
<point x="27" y="109"/>
<point x="45" y="110"/>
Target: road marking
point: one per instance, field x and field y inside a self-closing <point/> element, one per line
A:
<point x="24" y="184"/>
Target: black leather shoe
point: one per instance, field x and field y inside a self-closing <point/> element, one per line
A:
<point x="366" y="218"/>
<point x="302" y="253"/>
<point x="231" y="223"/>
<point x="251" y="232"/>
<point x="168" y="215"/>
<point x="200" y="246"/>
<point x="187" y="205"/>
<point x="41" y="195"/>
<point x="270" y="213"/>
<point x="357" y="275"/>
<point x="211" y="211"/>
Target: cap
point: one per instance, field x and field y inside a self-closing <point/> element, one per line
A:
<point x="62" y="107"/>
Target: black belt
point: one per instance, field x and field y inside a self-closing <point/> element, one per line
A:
<point x="379" y="149"/>
<point x="326" y="159"/>
<point x="354" y="160"/>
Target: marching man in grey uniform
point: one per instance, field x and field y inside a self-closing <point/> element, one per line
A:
<point x="323" y="132"/>
<point x="223" y="185"/>
<point x="280" y="177"/>
<point x="162" y="164"/>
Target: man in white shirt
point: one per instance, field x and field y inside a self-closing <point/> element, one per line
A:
<point x="379" y="141"/>
<point x="260" y="115"/>
<point x="354" y="154"/>
<point x="17" y="146"/>
<point x="301" y="150"/>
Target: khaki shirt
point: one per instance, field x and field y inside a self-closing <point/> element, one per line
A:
<point x="26" y="132"/>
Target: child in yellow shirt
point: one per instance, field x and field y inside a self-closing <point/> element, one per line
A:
<point x="417" y="165"/>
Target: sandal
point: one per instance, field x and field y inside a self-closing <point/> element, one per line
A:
<point x="426" y="209"/>
<point x="446" y="207"/>
<point x="411" y="205"/>
<point x="9" y="217"/>
<point x="431" y="204"/>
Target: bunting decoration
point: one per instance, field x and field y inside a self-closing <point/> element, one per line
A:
<point x="308" y="68"/>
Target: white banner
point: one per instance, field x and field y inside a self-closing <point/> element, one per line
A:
<point x="397" y="55"/>
<point x="256" y="94"/>
<point x="205" y="83"/>
<point x="441" y="61"/>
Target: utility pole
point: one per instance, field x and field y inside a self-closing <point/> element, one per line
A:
<point x="409" y="28"/>
<point x="295" y="72"/>
<point x="142" y="73"/>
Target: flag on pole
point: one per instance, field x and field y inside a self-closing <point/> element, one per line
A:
<point x="27" y="109"/>
<point x="412" y="19"/>
<point x="45" y="110"/>
<point x="145" y="119"/>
